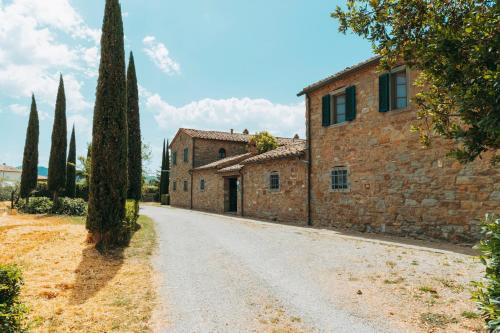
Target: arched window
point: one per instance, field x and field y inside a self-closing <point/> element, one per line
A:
<point x="222" y="153"/>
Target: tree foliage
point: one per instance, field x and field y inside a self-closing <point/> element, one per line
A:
<point x="163" y="173"/>
<point x="455" y="45"/>
<point x="108" y="181"/>
<point x="71" y="167"/>
<point x="134" y="134"/>
<point x="57" y="160"/>
<point x="30" y="158"/>
<point x="264" y="142"/>
<point x="487" y="292"/>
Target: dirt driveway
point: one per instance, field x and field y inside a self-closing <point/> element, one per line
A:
<point x="225" y="274"/>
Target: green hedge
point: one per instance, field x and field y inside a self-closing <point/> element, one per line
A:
<point x="487" y="292"/>
<point x="12" y="311"/>
<point x="43" y="205"/>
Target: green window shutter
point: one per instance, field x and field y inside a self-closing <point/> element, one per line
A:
<point x="383" y="92"/>
<point x="326" y="101"/>
<point x="350" y="94"/>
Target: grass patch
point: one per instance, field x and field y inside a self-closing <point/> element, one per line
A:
<point x="396" y="281"/>
<point x="437" y="319"/>
<point x="391" y="264"/>
<point x="453" y="285"/>
<point x="427" y="289"/>
<point x="470" y="315"/>
<point x="69" y="286"/>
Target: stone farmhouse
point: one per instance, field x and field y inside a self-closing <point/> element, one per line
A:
<point x="361" y="167"/>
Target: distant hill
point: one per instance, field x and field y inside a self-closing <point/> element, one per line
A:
<point x="43" y="171"/>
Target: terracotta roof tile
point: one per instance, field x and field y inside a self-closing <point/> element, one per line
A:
<point x="217" y="135"/>
<point x="296" y="149"/>
<point x="337" y="75"/>
<point x="224" y="162"/>
<point x="6" y="168"/>
<point x="232" y="168"/>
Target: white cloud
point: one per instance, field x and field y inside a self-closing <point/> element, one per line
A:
<point x="32" y="54"/>
<point x="20" y="110"/>
<point x="224" y="114"/>
<point x="159" y="54"/>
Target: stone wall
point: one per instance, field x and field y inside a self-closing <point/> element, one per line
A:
<point x="207" y="151"/>
<point x="289" y="203"/>
<point x="212" y="198"/>
<point x="396" y="186"/>
<point x="180" y="172"/>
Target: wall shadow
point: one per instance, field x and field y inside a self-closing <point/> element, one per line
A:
<point x="94" y="272"/>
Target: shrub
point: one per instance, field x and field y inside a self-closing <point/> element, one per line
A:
<point x="43" y="205"/>
<point x="487" y="292"/>
<point x="264" y="142"/>
<point x="36" y="205"/>
<point x="6" y="192"/>
<point x="72" y="207"/>
<point x="12" y="312"/>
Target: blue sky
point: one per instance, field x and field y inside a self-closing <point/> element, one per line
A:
<point x="209" y="64"/>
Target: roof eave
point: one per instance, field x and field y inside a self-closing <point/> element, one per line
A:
<point x="322" y="83"/>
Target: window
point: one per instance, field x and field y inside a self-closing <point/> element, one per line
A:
<point x="175" y="186"/>
<point x="338" y="109"/>
<point x="174" y="158"/>
<point x="399" y="90"/>
<point x="274" y="181"/>
<point x="185" y="186"/>
<point x="186" y="154"/>
<point x="339" y="106"/>
<point x="393" y="90"/>
<point x="340" y="179"/>
<point x="222" y="153"/>
<point x="202" y="185"/>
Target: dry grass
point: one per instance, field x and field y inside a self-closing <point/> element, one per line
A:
<point x="69" y="286"/>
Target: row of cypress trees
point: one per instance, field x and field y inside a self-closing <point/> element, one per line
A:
<point x="116" y="170"/>
<point x="165" y="168"/>
<point x="62" y="171"/>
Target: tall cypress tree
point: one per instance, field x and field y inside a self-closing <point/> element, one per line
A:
<point x="71" y="167"/>
<point x="108" y="181"/>
<point x="162" y="172"/>
<point x="167" y="169"/>
<point x="134" y="134"/>
<point x="30" y="158"/>
<point x="57" y="160"/>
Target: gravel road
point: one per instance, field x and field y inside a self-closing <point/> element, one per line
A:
<point x="228" y="274"/>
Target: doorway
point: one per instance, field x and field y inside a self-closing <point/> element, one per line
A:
<point x="233" y="195"/>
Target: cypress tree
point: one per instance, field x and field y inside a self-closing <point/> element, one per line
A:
<point x="108" y="181"/>
<point x="167" y="169"/>
<point x="162" y="172"/>
<point x="134" y="134"/>
<point x="57" y="160"/>
<point x="30" y="158"/>
<point x="71" y="167"/>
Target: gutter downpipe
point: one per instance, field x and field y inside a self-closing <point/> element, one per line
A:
<point x="192" y="177"/>
<point x="309" y="158"/>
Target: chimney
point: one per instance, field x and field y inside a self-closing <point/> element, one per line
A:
<point x="232" y="131"/>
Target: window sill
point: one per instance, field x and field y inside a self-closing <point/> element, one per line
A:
<point x="340" y="190"/>
<point x="345" y="123"/>
<point x="397" y="111"/>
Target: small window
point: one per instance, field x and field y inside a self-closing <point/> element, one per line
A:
<point x="338" y="109"/>
<point x="222" y="153"/>
<point x="399" y="90"/>
<point x="202" y="185"/>
<point x="274" y="181"/>
<point x="185" y="186"/>
<point x="174" y="158"/>
<point x="174" y="186"/>
<point x="340" y="179"/>
<point x="186" y="154"/>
